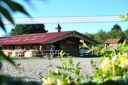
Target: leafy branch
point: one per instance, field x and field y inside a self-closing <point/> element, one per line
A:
<point x="8" y="7"/>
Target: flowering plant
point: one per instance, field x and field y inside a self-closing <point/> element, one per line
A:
<point x="111" y="68"/>
<point x="112" y="65"/>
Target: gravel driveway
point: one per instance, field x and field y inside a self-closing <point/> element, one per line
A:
<point x="33" y="69"/>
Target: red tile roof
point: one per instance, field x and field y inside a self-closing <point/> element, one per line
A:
<point x="112" y="41"/>
<point x="31" y="38"/>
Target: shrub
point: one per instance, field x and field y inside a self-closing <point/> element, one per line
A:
<point x="112" y="68"/>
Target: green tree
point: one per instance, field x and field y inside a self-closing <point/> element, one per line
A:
<point x="100" y="36"/>
<point x="116" y="32"/>
<point x="112" y="34"/>
<point x="126" y="33"/>
<point x="90" y="35"/>
<point x="116" y="28"/>
<point x="28" y="29"/>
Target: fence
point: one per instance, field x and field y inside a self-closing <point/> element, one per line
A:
<point x="38" y="53"/>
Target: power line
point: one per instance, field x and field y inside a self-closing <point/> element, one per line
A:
<point x="64" y="20"/>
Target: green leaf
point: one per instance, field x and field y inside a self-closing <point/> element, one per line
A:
<point x="100" y="60"/>
<point x="92" y="62"/>
<point x="7" y="58"/>
<point x="2" y="25"/>
<point x="70" y="61"/>
<point x="77" y="71"/>
<point x="126" y="19"/>
<point x="62" y="53"/>
<point x="6" y="14"/>
<point x="90" y="50"/>
<point x="124" y="43"/>
<point x="98" y="80"/>
<point x="81" y="41"/>
<point x="86" y="82"/>
<point x="0" y="64"/>
<point x="125" y="77"/>
<point x="77" y="65"/>
<point x="85" y="45"/>
<point x="103" y="50"/>
<point x="16" y="7"/>
<point x="121" y="16"/>
<point x="60" y="67"/>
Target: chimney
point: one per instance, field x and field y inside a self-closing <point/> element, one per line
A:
<point x="58" y="28"/>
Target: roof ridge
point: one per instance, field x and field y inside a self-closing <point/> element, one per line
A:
<point x="39" y="38"/>
<point x="39" y="33"/>
<point x="114" y="38"/>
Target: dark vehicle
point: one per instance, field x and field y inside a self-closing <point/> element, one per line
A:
<point x="83" y="51"/>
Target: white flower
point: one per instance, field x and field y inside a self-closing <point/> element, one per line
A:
<point x="106" y="60"/>
<point x="105" y="66"/>
<point x="58" y="82"/>
<point x="56" y="70"/>
<point x="114" y="58"/>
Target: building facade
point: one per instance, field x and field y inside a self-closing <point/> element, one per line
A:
<point x="40" y="44"/>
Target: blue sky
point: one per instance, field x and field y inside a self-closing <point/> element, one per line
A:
<point x="69" y="8"/>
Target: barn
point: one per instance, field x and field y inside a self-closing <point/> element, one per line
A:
<point x="40" y="44"/>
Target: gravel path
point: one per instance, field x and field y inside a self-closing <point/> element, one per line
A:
<point x="33" y="69"/>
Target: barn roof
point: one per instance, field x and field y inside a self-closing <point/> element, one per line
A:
<point x="41" y="38"/>
<point x="112" y="41"/>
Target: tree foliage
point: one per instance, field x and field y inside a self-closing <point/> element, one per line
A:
<point x="89" y="35"/>
<point x="126" y="33"/>
<point x="8" y="7"/>
<point x="28" y="29"/>
<point x="116" y="32"/>
<point x="101" y="36"/>
<point x="113" y="34"/>
<point x="116" y="28"/>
